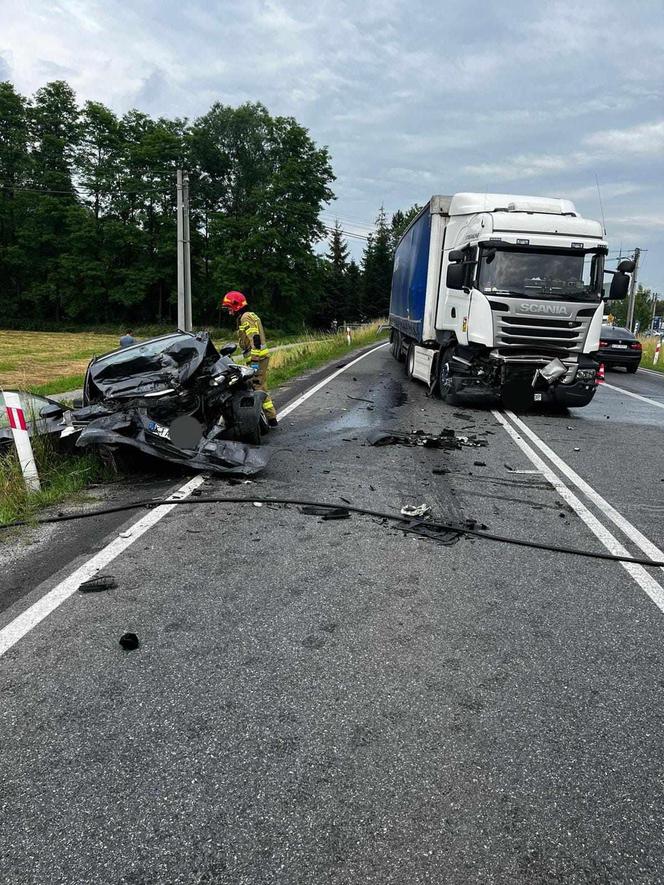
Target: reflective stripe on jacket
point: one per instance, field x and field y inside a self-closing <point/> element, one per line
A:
<point x="251" y="336"/>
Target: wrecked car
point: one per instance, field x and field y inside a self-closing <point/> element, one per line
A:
<point x="43" y="416"/>
<point x="176" y="398"/>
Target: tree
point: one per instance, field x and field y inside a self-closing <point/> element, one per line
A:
<point x="14" y="164"/>
<point x="643" y="303"/>
<point x="334" y="303"/>
<point x="377" y="264"/>
<point x="401" y="220"/>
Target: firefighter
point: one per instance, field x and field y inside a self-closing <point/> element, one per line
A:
<point x="251" y="338"/>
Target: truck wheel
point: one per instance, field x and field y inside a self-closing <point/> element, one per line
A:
<point x="397" y="345"/>
<point x="446" y="386"/>
<point x="410" y="362"/>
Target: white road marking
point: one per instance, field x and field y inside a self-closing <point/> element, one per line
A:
<point x="27" y="620"/>
<point x="22" y="624"/>
<point x="625" y="526"/>
<point x="647" y="583"/>
<point x="644" y="399"/>
<point x="653" y="372"/>
<point x="305" y="396"/>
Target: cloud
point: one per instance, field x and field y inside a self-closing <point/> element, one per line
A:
<point x="646" y="138"/>
<point x="411" y="97"/>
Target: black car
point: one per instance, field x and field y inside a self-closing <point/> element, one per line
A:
<point x="43" y="416"/>
<point x="176" y="398"/>
<point x="619" y="347"/>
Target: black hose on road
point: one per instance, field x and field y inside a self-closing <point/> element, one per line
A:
<point x="407" y="522"/>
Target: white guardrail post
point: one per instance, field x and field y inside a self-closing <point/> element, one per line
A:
<point x="21" y="436"/>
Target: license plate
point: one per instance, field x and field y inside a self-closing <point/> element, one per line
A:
<point x="538" y="397"/>
<point x="620" y="346"/>
<point x="153" y="427"/>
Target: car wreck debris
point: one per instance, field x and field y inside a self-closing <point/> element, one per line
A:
<point x="178" y="399"/>
<point x="446" y="439"/>
<point x="129" y="641"/>
<point x="98" y="583"/>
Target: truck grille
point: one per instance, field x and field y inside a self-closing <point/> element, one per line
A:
<point x="560" y="336"/>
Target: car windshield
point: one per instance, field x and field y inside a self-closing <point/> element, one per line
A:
<point x="181" y="343"/>
<point x="552" y="274"/>
<point x="32" y="405"/>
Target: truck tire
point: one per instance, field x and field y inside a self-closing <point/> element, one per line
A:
<point x="410" y="362"/>
<point x="396" y="346"/>
<point x="446" y="386"/>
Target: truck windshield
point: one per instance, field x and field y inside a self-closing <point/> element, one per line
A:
<point x="563" y="275"/>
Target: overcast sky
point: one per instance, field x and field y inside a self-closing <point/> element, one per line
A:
<point x="412" y="98"/>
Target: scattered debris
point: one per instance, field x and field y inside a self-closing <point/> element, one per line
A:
<point x="345" y="500"/>
<point x="415" y="510"/>
<point x="440" y="471"/>
<point x="479" y="463"/>
<point x="129" y="641"/>
<point x="446" y="439"/>
<point x="577" y="449"/>
<point x="360" y="399"/>
<point x="98" y="583"/>
<point x="257" y="504"/>
<point x="196" y="493"/>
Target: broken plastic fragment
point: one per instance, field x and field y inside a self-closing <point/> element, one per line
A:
<point x="98" y="583"/>
<point x="415" y="510"/>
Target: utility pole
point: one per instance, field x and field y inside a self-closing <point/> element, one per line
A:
<point x="654" y="309"/>
<point x="182" y="316"/>
<point x="632" y="291"/>
<point x="187" y="254"/>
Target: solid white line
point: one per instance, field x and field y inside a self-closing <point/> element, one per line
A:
<point x="305" y="396"/>
<point x="647" y="583"/>
<point x="652" y="372"/>
<point x="27" y="620"/>
<point x="21" y="625"/>
<point x="644" y="399"/>
<point x="625" y="526"/>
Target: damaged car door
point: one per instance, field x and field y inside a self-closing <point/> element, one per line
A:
<point x="177" y="398"/>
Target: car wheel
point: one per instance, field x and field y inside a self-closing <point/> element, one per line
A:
<point x="632" y="369"/>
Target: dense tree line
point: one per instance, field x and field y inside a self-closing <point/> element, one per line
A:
<point x="88" y="221"/>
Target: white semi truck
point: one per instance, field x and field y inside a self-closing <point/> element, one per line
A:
<point x="504" y="294"/>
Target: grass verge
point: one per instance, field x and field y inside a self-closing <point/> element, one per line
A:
<point x="55" y="362"/>
<point x="62" y="478"/>
<point x="286" y="364"/>
<point x="648" y="354"/>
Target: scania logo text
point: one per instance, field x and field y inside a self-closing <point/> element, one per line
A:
<point x="553" y="309"/>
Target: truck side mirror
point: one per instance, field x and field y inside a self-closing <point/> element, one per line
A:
<point x="456" y="255"/>
<point x="456" y="276"/>
<point x="626" y="266"/>
<point x="619" y="287"/>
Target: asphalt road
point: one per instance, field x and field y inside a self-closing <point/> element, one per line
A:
<point x="340" y="702"/>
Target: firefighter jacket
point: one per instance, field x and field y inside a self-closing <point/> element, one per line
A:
<point x="251" y="336"/>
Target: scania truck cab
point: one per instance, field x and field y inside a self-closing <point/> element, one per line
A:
<point x="503" y="294"/>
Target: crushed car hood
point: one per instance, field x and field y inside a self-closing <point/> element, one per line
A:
<point x="140" y="372"/>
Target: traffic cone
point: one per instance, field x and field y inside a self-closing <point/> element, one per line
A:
<point x="600" y="374"/>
